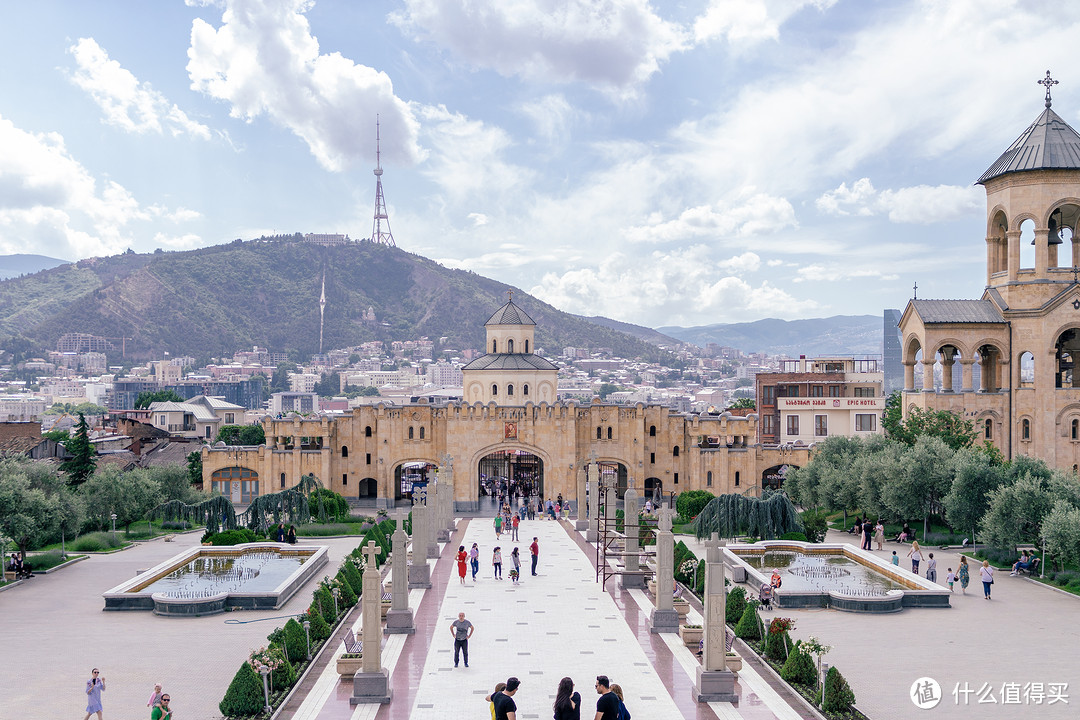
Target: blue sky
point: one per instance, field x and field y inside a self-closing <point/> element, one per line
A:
<point x="659" y="163"/>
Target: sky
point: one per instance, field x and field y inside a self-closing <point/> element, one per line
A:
<point x="660" y="163"/>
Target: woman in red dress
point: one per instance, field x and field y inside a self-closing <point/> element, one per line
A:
<point x="462" y="558"/>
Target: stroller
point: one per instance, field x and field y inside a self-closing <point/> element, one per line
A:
<point x="765" y="596"/>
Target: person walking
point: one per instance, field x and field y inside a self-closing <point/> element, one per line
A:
<point x="498" y="526"/>
<point x="607" y="705"/>
<point x="461" y="630"/>
<point x="616" y="690"/>
<point x="931" y="569"/>
<point x="868" y="534"/>
<point x="499" y="687"/>
<point x="496" y="562"/>
<point x="162" y="711"/>
<point x="962" y="574"/>
<point x="514" y="528"/>
<point x="879" y="533"/>
<point x="567" y="705"/>
<point x="505" y="707"/>
<point x="515" y="558"/>
<point x="534" y="551"/>
<point x="94" y="687"/>
<point x="291" y="537"/>
<point x="462" y="559"/>
<point x="474" y="559"/>
<point x="987" y="574"/>
<point x="915" y="553"/>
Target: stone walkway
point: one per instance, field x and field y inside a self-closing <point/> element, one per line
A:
<point x="1027" y="633"/>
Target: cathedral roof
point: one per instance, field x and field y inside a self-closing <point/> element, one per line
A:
<point x="956" y="311"/>
<point x="510" y="314"/>
<point x="510" y="361"/>
<point x="1049" y="143"/>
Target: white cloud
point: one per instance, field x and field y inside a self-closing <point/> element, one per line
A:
<point x="920" y="204"/>
<point x="187" y="241"/>
<point x="478" y="219"/>
<point x="264" y="60"/>
<point x="177" y="215"/>
<point x="746" y="21"/>
<point x="50" y="203"/>
<point x="609" y="43"/>
<point x="758" y="214"/>
<point x="551" y="114"/>
<point x="831" y="272"/>
<point x="127" y="103"/>
<point x="677" y="287"/>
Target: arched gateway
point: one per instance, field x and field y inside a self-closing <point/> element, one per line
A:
<point x="515" y="473"/>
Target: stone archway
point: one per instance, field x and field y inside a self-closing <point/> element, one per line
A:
<point x="512" y="472"/>
<point x="773" y="478"/>
<point x="410" y="473"/>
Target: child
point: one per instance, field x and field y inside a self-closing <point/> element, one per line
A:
<point x="895" y="558"/>
<point x="496" y="562"/>
<point x="950" y="579"/>
<point x="155" y="697"/>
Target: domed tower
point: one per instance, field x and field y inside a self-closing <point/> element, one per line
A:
<point x="510" y="373"/>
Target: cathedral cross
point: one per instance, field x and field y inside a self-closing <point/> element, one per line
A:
<point x="1049" y="82"/>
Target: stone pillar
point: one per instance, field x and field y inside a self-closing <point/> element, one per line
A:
<point x="581" y="515"/>
<point x="632" y="548"/>
<point x="664" y="617"/>
<point x="371" y="684"/>
<point x="909" y="377"/>
<point x="928" y="374"/>
<point x="431" y="521"/>
<point x="593" y="533"/>
<point x="1042" y="252"/>
<point x="419" y="571"/>
<point x="966" y="374"/>
<point x="399" y="618"/>
<point x="448" y="499"/>
<point x="947" y="363"/>
<point x="1014" y="254"/>
<point x="715" y="683"/>
<point x="442" y="535"/>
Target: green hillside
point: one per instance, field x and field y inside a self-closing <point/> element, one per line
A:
<point x="220" y="299"/>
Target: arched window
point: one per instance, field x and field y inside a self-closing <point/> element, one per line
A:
<point x="344" y="451"/>
<point x="1076" y="429"/>
<point x="282" y="480"/>
<point x="708" y="479"/>
<point x="494" y="345"/>
<point x="736" y="478"/>
<point x="510" y="345"/>
<point x="599" y="435"/>
<point x="1027" y="369"/>
<point x="421" y="433"/>
<point x="494" y="389"/>
<point x="410" y="432"/>
<point x="525" y="387"/>
<point x="989" y="431"/>
<point x="652" y="431"/>
<point x="526" y="346"/>
<point x="509" y="389"/>
<point x="609" y="432"/>
<point x="1027" y="244"/>
<point x="1025" y="429"/>
<point x="367" y="431"/>
<point x="675" y="452"/>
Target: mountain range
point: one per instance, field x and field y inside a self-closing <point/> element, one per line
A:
<point x="216" y="300"/>
<point x="814" y="337"/>
<point x="16" y="265"/>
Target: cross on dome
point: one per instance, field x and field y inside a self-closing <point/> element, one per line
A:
<point x="1048" y="82"/>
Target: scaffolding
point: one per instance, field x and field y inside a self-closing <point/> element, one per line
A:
<point x="611" y="553"/>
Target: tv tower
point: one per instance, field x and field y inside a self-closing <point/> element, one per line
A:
<point x="377" y="233"/>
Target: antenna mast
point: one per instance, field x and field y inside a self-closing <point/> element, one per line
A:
<point x="377" y="234"/>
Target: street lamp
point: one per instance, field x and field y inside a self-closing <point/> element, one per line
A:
<point x="335" y="591"/>
<point x="113" y="518"/>
<point x="307" y="634"/>
<point x="264" y="671"/>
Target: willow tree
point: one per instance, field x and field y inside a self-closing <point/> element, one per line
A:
<point x="734" y="515"/>
<point x="293" y="505"/>
<point x="217" y="513"/>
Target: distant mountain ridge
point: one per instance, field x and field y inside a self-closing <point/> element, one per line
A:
<point x="22" y="264"/>
<point x="837" y="335"/>
<point x="216" y="300"/>
<point x="639" y="331"/>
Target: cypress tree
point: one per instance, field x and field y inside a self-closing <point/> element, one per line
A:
<point x="736" y="604"/>
<point x="799" y="668"/>
<point x="838" y="696"/>
<point x="295" y="641"/>
<point x="748" y="627"/>
<point x="245" y="694"/>
<point x="80" y="466"/>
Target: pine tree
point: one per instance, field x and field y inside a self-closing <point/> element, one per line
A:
<point x="749" y="626"/>
<point x="245" y="694"/>
<point x="295" y="641"/>
<point x="838" y="694"/>
<point x="80" y="466"/>
<point x="799" y="668"/>
<point x="736" y="604"/>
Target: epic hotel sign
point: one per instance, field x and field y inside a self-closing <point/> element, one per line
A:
<point x="831" y="403"/>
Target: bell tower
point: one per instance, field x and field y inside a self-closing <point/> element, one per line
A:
<point x="1033" y="196"/>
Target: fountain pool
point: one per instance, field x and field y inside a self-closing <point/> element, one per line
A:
<point x="207" y="580"/>
<point x="835" y="575"/>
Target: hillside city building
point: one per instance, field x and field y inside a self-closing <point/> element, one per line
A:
<point x="1016" y="346"/>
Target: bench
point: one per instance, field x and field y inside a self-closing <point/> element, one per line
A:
<point x="729" y="640"/>
<point x="352" y="645"/>
<point x="387" y="597"/>
<point x="1031" y="569"/>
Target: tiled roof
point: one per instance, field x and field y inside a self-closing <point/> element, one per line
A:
<point x="957" y="311"/>
<point x="509" y="361"/>
<point x="1049" y="143"/>
<point x="510" y="314"/>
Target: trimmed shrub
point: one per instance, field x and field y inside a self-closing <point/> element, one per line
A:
<point x="776" y="646"/>
<point x="700" y="589"/>
<point x="295" y="641"/>
<point x="176" y="525"/>
<point x="692" y="502"/>
<point x="353" y="577"/>
<point x="245" y="694"/>
<point x="320" y="630"/>
<point x="749" y="627"/>
<point x="736" y="604"/>
<point x="794" y="536"/>
<point x="284" y="677"/>
<point x="326" y="602"/>
<point x="232" y="537"/>
<point x="838" y="694"/>
<point x="347" y="596"/>
<point x="799" y="668"/>
<point x="681" y="552"/>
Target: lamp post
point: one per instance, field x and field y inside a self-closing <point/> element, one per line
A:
<point x="335" y="591"/>
<point x="113" y="518"/>
<point x="307" y="634"/>
<point x="264" y="671"/>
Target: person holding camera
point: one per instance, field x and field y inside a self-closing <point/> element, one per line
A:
<point x="94" y="687"/>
